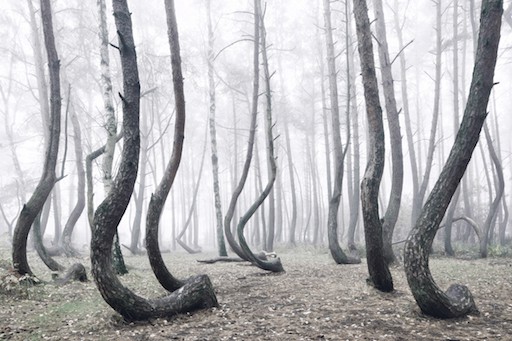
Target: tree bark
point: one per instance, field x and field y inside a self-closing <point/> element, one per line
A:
<point x="500" y="187"/>
<point x="80" y="202"/>
<point x="457" y="301"/>
<point x="221" y="245"/>
<point x="418" y="199"/>
<point x="198" y="292"/>
<point x="354" y="171"/>
<point x="194" y="201"/>
<point x="448" y="248"/>
<point x="33" y="207"/>
<point x="406" y="112"/>
<point x="157" y="202"/>
<point x="380" y="276"/>
<point x="397" y="177"/>
<point x="339" y="153"/>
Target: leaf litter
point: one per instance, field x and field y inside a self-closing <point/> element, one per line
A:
<point x="315" y="299"/>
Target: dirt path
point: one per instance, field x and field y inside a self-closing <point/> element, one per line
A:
<point x="314" y="300"/>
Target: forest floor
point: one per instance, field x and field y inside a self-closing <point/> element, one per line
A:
<point x="314" y="299"/>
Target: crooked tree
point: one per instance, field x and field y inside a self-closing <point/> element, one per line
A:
<point x="380" y="276"/>
<point x="339" y="152"/>
<point x="35" y="204"/>
<point x="197" y="292"/>
<point x="457" y="300"/>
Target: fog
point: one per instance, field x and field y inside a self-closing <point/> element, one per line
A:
<point x="297" y="56"/>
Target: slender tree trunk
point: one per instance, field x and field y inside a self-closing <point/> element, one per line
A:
<point x="457" y="301"/>
<point x="397" y="177"/>
<point x="33" y="207"/>
<point x="339" y="154"/>
<point x="80" y="200"/>
<point x="269" y="142"/>
<point x="157" y="202"/>
<point x="354" y="201"/>
<point x="448" y="249"/>
<point x="380" y="276"/>
<point x="418" y="201"/>
<point x="273" y="264"/>
<point x="198" y="292"/>
<point x="221" y="245"/>
<point x="139" y="198"/>
<point x="500" y="186"/>
<point x="293" y="221"/>
<point x="194" y="200"/>
<point x="405" y="110"/>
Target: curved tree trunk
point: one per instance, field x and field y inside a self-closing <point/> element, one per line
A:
<point x="397" y="177"/>
<point x="250" y="146"/>
<point x="80" y="202"/>
<point x="182" y="243"/>
<point x="339" y="154"/>
<point x="45" y="256"/>
<point x="380" y="276"/>
<point x="34" y="205"/>
<point x="418" y="199"/>
<point x="157" y="202"/>
<point x="457" y="301"/>
<point x="273" y="264"/>
<point x="198" y="292"/>
<point x="500" y="187"/>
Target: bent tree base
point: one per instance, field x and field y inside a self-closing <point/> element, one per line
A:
<point x="197" y="292"/>
<point x="457" y="300"/>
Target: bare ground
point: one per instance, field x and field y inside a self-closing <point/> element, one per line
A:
<point x="314" y="300"/>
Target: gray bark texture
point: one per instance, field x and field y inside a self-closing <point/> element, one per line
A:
<point x="273" y="264"/>
<point x="457" y="301"/>
<point x="221" y="244"/>
<point x="397" y="173"/>
<point x="35" y="204"/>
<point x="380" y="276"/>
<point x="339" y="154"/>
<point x="80" y="200"/>
<point x="197" y="292"/>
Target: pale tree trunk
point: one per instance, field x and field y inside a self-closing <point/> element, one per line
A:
<point x="42" y="89"/>
<point x="273" y="264"/>
<point x="504" y="222"/>
<point x="250" y="146"/>
<point x="418" y="199"/>
<point x="192" y="209"/>
<point x="221" y="245"/>
<point x="380" y="276"/>
<point x="354" y="169"/>
<point x="339" y="154"/>
<point x="197" y="293"/>
<point x="35" y="204"/>
<point x="269" y="142"/>
<point x="293" y="221"/>
<point x="139" y="197"/>
<point x="258" y="187"/>
<point x="80" y="200"/>
<point x="495" y="204"/>
<point x="457" y="301"/>
<point x="111" y="124"/>
<point x="397" y="177"/>
<point x="8" y="126"/>
<point x="448" y="249"/>
<point x="405" y="110"/>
